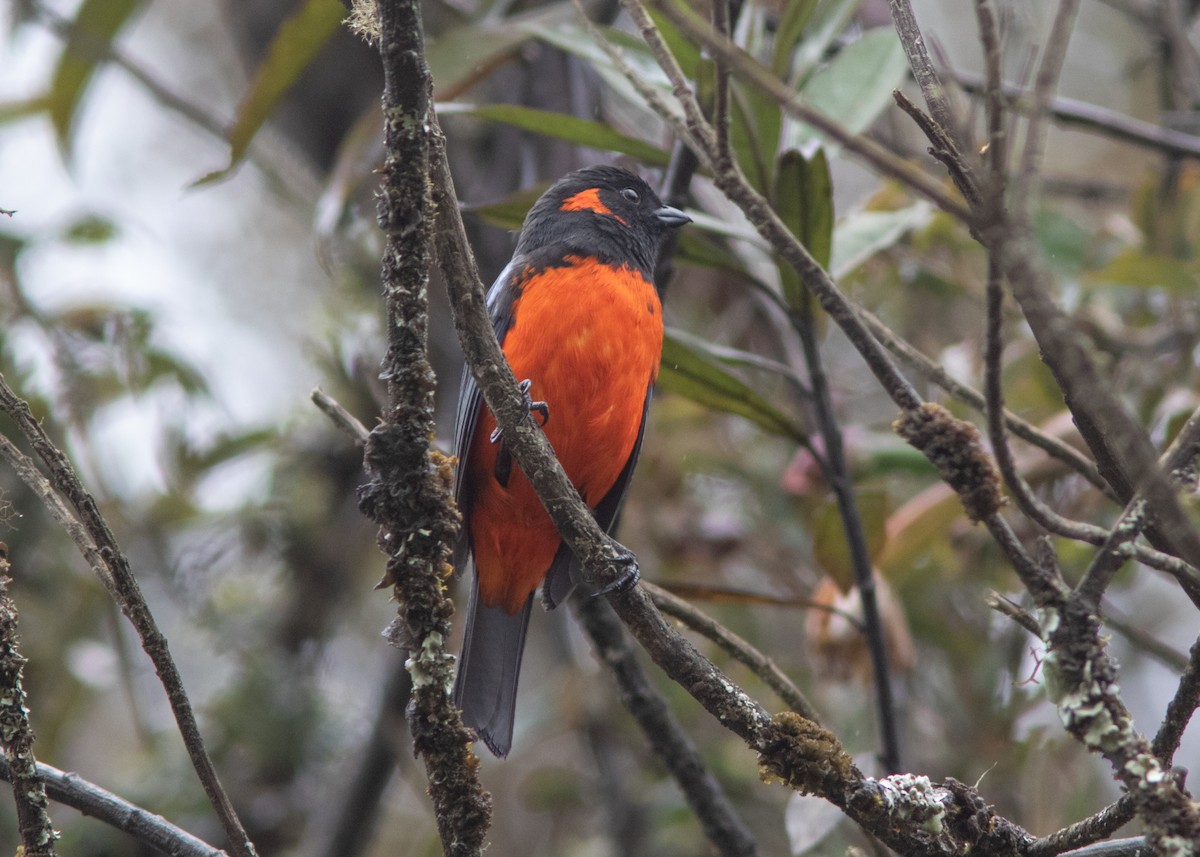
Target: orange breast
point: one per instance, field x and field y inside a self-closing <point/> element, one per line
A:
<point x="589" y="337"/>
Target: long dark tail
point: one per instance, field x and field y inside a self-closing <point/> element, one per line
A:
<point x="488" y="669"/>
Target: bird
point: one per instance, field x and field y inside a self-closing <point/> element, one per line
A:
<point x="579" y="318"/>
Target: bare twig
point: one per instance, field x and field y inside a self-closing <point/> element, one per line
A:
<point x="665" y="736"/>
<point x="91" y="800"/>
<point x="738" y="648"/>
<point x="119" y="577"/>
<point x="934" y="372"/>
<point x="341" y="417"/>
<point x="927" y="77"/>
<point x="1180" y="710"/>
<point x="1014" y="611"/>
<point x="838" y="475"/>
<point x="356" y="806"/>
<point x="755" y="74"/>
<point x="1101" y="120"/>
<point x="1054" y="54"/>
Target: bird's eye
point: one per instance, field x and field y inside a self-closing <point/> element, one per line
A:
<point x="630" y="194"/>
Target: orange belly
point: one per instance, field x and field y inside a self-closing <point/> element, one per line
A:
<point x="589" y="337"/>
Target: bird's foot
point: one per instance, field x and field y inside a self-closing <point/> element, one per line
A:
<point x="530" y="407"/>
<point x="628" y="574"/>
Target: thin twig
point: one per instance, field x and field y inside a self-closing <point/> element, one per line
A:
<point x="1054" y="54"/>
<point x="933" y="371"/>
<point x="91" y="800"/>
<point x="757" y="75"/>
<point x="838" y="475"/>
<point x="1180" y="710"/>
<point x="341" y="417"/>
<point x="1007" y="607"/>
<point x="734" y="645"/>
<point x="1101" y="120"/>
<point x="355" y="808"/>
<point x="134" y="606"/>
<point x="926" y="76"/>
<point x="666" y="737"/>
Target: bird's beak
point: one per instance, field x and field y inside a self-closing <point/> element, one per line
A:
<point x="672" y="217"/>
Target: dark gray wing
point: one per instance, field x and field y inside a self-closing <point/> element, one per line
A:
<point x="564" y="571"/>
<point x="470" y="405"/>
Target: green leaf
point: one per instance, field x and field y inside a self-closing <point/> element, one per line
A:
<point x="688" y="372"/>
<point x="854" y="88"/>
<point x="731" y="356"/>
<point x="578" y="42"/>
<point x="508" y="213"/>
<point x="795" y="18"/>
<point x="295" y="45"/>
<point x="1134" y="267"/>
<point x="804" y="202"/>
<point x="861" y="235"/>
<point x="829" y="21"/>
<point x="460" y="57"/>
<point x="96" y="24"/>
<point x="560" y="126"/>
<point x="830" y="549"/>
<point x="1063" y="241"/>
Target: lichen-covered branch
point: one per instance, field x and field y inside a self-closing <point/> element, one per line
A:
<point x="410" y="489"/>
<point x="16" y="735"/>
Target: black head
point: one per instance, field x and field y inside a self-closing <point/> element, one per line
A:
<point x="602" y="211"/>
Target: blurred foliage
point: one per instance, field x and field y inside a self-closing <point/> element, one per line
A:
<point x="248" y="542"/>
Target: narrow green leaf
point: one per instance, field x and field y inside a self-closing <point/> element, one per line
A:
<point x="689" y="373"/>
<point x="297" y="41"/>
<point x="729" y="355"/>
<point x="508" y="213"/>
<point x="828" y="21"/>
<point x="1135" y="267"/>
<point x="804" y="201"/>
<point x="96" y="24"/>
<point x="559" y="126"/>
<point x="461" y="56"/>
<point x="578" y="42"/>
<point x="795" y="18"/>
<point x="854" y="88"/>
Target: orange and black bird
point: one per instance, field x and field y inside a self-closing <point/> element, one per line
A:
<point x="579" y="318"/>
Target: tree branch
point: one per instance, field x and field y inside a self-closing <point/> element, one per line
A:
<point x="91" y="800"/>
<point x="102" y="551"/>
<point x="409" y="493"/>
<point x="16" y="734"/>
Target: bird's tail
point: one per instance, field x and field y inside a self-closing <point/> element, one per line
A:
<point x="488" y="669"/>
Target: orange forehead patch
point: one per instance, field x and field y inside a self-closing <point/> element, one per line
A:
<point x="587" y="200"/>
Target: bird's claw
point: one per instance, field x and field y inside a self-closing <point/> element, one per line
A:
<point x="628" y="576"/>
<point x="530" y="407"/>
